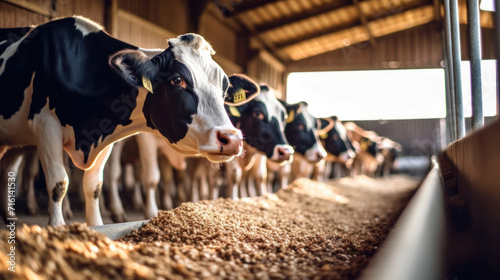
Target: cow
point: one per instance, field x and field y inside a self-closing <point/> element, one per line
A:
<point x="302" y="133"/>
<point x="390" y="150"/>
<point x="68" y="85"/>
<point x="262" y="122"/>
<point x="368" y="157"/>
<point x="149" y="148"/>
<point x="340" y="151"/>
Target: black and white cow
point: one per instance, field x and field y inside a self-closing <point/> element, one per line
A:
<point x="68" y="85"/>
<point x="368" y="157"/>
<point x="262" y="122"/>
<point x="340" y="151"/>
<point x="302" y="133"/>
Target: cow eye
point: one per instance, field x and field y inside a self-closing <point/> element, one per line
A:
<point x="178" y="81"/>
<point x="301" y="126"/>
<point x="258" y="115"/>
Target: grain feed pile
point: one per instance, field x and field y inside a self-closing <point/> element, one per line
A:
<point x="309" y="231"/>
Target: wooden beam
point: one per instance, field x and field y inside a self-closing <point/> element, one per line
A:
<point x="122" y="14"/>
<point x="32" y="7"/>
<point x="240" y="6"/>
<point x="335" y="29"/>
<point x="196" y="10"/>
<point x="364" y="21"/>
<point x="314" y="12"/>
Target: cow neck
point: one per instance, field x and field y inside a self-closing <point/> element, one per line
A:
<point x="250" y="156"/>
<point x="137" y="125"/>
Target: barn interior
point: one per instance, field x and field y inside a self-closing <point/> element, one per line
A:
<point x="445" y="185"/>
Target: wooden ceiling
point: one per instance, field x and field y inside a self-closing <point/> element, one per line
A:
<point x="297" y="29"/>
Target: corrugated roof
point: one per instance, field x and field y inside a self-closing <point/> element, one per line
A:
<point x="297" y="29"/>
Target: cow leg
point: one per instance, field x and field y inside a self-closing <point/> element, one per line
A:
<point x="234" y="175"/>
<point x="284" y="175"/>
<point x="180" y="185"/>
<point x="49" y="142"/>
<point x="260" y="175"/>
<point x="112" y="173"/>
<point x="30" y="171"/>
<point x="9" y="164"/>
<point x="56" y="181"/>
<point x="150" y="172"/>
<point x="167" y="179"/>
<point x="318" y="172"/>
<point x="213" y="177"/>
<point x="92" y="185"/>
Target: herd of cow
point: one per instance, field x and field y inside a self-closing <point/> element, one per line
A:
<point x="68" y="86"/>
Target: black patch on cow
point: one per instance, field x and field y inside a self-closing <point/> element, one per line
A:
<point x="299" y="134"/>
<point x="334" y="144"/>
<point x="97" y="191"/>
<point x="262" y="134"/>
<point x="73" y="73"/>
<point x="188" y="38"/>
<point x="18" y="70"/>
<point x="58" y="192"/>
<point x="170" y="108"/>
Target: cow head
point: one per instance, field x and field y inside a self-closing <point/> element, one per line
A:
<point x="335" y="140"/>
<point x="261" y="119"/>
<point x="186" y="99"/>
<point x="301" y="131"/>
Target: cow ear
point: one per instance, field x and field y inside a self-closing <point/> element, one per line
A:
<point x="241" y="90"/>
<point x="135" y="68"/>
<point x="324" y="126"/>
<point x="291" y="109"/>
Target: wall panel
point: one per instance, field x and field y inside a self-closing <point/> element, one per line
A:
<point x="92" y="9"/>
<point x="14" y="16"/>
<point x="172" y="15"/>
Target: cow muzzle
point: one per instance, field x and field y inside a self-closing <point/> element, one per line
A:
<point x="229" y="143"/>
<point x="282" y="153"/>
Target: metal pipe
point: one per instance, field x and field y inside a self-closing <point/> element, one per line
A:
<point x="448" y="68"/>
<point x="474" y="40"/>
<point x="496" y="20"/>
<point x="457" y="69"/>
<point x="448" y="78"/>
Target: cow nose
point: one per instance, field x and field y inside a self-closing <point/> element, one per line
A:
<point x="230" y="141"/>
<point x="284" y="153"/>
<point x="319" y="156"/>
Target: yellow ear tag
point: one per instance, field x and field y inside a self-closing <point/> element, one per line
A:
<point x="147" y="84"/>
<point x="323" y="136"/>
<point x="364" y="146"/>
<point x="240" y="95"/>
<point x="291" y="117"/>
<point x="234" y="111"/>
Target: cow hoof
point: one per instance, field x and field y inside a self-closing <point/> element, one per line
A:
<point x="119" y="218"/>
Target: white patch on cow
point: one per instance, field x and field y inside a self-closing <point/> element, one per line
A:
<point x="207" y="83"/>
<point x="11" y="50"/>
<point x="274" y="107"/>
<point x="86" y="26"/>
<point x="311" y="155"/>
<point x="17" y="130"/>
<point x="150" y="53"/>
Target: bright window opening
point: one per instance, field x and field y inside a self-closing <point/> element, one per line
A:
<point x="386" y="94"/>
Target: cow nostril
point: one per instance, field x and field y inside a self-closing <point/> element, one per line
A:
<point x="223" y="139"/>
<point x="281" y="152"/>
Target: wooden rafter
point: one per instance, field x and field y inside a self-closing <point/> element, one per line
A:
<point x="314" y="12"/>
<point x="335" y="29"/>
<point x="364" y="22"/>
